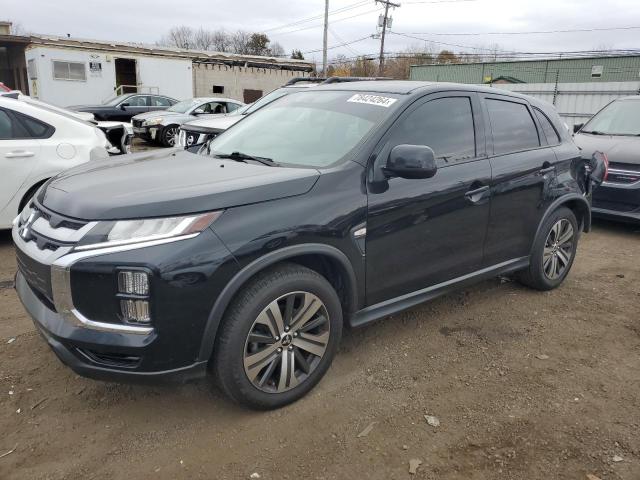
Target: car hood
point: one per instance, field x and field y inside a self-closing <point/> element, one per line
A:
<point x="618" y="148"/>
<point x="217" y="124"/>
<point x="159" y="113"/>
<point x="168" y="183"/>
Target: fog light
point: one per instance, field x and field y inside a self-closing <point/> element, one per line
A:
<point x="135" y="311"/>
<point x="133" y="283"/>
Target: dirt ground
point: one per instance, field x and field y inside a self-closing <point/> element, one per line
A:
<point x="525" y="385"/>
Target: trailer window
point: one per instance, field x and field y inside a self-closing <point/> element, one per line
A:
<point x="69" y="71"/>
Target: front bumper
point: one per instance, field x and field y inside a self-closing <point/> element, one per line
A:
<point x="73" y="300"/>
<point x="617" y="201"/>
<point x="76" y="346"/>
<point x="147" y="132"/>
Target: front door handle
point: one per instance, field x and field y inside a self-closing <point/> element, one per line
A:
<point x="478" y="194"/>
<point x="543" y="171"/>
<point x="19" y="154"/>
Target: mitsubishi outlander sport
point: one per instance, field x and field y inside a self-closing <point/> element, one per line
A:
<point x="334" y="206"/>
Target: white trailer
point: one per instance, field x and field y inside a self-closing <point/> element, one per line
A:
<point x="72" y="75"/>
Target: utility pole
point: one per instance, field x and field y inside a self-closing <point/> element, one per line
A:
<point x="324" y="40"/>
<point x="387" y="4"/>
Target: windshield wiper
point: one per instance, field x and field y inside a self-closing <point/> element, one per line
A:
<point x="593" y="132"/>
<point x="243" y="157"/>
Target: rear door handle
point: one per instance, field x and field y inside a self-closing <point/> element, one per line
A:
<point x="478" y="194"/>
<point x="19" y="154"/>
<point x="544" y="171"/>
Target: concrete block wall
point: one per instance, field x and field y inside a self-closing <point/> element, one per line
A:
<point x="236" y="79"/>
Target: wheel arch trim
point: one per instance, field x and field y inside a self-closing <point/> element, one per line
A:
<point x="224" y="299"/>
<point x="562" y="201"/>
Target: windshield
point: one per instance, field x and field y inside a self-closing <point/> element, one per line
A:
<point x="268" y="98"/>
<point x="118" y="99"/>
<point x="621" y="117"/>
<point x="185" y="105"/>
<point x="313" y="128"/>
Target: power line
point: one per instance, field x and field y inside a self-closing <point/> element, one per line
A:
<point x="344" y="42"/>
<point x="351" y="6"/>
<point x="322" y="24"/>
<point x="340" y="45"/>
<point x="604" y="29"/>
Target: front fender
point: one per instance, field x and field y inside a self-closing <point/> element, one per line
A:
<point x="227" y="294"/>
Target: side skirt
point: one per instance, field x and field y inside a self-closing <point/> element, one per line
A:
<point x="398" y="304"/>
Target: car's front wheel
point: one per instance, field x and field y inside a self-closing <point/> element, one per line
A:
<point x="169" y="136"/>
<point x="554" y="250"/>
<point x="278" y="337"/>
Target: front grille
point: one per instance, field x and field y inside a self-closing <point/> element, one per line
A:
<point x="623" y="173"/>
<point x="49" y="230"/>
<point x="37" y="275"/>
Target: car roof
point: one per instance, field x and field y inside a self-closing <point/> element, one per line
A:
<point x="214" y="99"/>
<point x="634" y="97"/>
<point x="408" y="87"/>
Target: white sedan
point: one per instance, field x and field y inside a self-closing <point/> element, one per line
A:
<point x="37" y="143"/>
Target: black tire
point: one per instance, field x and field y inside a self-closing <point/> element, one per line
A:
<point x="169" y="135"/>
<point x="231" y="351"/>
<point x="536" y="275"/>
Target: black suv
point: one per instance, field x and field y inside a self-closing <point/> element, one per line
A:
<point x="340" y="204"/>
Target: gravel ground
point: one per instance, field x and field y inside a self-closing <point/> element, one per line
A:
<point x="525" y="385"/>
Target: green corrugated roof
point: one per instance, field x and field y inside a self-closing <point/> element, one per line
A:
<point x="614" y="69"/>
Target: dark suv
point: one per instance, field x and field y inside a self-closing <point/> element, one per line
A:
<point x="340" y="204"/>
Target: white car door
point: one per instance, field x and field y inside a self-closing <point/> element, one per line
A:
<point x="19" y="154"/>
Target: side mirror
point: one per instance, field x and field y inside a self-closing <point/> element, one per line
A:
<point x="411" y="161"/>
<point x="577" y="127"/>
<point x="123" y="105"/>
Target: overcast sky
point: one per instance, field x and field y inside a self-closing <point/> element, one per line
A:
<point x="147" y="20"/>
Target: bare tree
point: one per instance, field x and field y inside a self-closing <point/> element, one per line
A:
<point x="180" y="37"/>
<point x="221" y="41"/>
<point x="276" y="49"/>
<point x="240" y="42"/>
<point x="18" y="29"/>
<point x="203" y="39"/>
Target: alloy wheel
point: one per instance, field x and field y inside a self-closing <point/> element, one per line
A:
<point x="170" y="135"/>
<point x="286" y="342"/>
<point x="558" y="249"/>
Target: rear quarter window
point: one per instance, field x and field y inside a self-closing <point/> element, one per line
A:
<point x="548" y="129"/>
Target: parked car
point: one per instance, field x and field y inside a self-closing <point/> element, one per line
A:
<point x="196" y="133"/>
<point x="37" y="144"/>
<point x="163" y="126"/>
<point x="119" y="134"/>
<point x="344" y="203"/>
<point x="615" y="131"/>
<point x="123" y="107"/>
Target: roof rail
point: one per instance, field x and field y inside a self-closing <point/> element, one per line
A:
<point x="353" y="79"/>
<point x="295" y="80"/>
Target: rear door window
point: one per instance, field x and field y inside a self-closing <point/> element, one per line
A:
<point x="444" y="124"/>
<point x="512" y="127"/>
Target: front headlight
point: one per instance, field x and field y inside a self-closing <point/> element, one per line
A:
<point x="126" y="232"/>
<point x="152" y="121"/>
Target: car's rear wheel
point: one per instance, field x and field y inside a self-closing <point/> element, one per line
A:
<point x="278" y="337"/>
<point x="169" y="135"/>
<point x="553" y="251"/>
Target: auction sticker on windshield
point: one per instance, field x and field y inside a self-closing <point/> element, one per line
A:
<point x="372" y="100"/>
